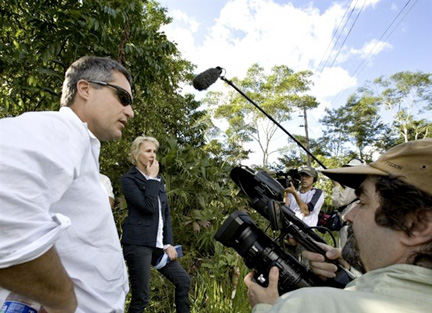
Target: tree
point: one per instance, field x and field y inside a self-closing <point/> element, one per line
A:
<point x="40" y="39"/>
<point x="407" y="95"/>
<point x="334" y="136"/>
<point x="274" y="93"/>
<point x="357" y="122"/>
<point x="305" y="103"/>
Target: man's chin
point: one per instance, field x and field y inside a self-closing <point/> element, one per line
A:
<point x="111" y="137"/>
<point x="117" y="135"/>
<point x="351" y="254"/>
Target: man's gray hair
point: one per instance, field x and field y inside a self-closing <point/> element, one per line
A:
<point x="89" y="68"/>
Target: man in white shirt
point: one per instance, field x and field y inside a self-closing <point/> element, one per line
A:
<point x="59" y="244"/>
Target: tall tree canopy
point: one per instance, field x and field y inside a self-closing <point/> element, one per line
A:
<point x="40" y="39"/>
<point x="407" y="95"/>
<point x="358" y="123"/>
<point x="380" y="115"/>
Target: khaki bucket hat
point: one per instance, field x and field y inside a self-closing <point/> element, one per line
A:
<point x="410" y="161"/>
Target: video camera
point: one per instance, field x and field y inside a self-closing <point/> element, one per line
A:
<point x="258" y="250"/>
<point x="286" y="178"/>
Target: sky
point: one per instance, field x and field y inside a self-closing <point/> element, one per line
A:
<point x="344" y="43"/>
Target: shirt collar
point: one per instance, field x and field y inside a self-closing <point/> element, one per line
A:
<point x="69" y="112"/>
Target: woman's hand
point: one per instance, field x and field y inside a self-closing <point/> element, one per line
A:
<point x="152" y="168"/>
<point x="171" y="252"/>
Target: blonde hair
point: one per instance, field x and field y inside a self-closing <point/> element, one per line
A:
<point x="136" y="147"/>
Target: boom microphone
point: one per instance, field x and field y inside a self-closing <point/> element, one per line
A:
<point x="205" y="79"/>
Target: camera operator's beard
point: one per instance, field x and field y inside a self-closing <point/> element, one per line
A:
<point x="350" y="252"/>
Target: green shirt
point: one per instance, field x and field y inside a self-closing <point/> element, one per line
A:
<point x="399" y="288"/>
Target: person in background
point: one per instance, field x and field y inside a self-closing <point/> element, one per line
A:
<point x="147" y="231"/>
<point x="344" y="198"/>
<point x="59" y="244"/>
<point x="106" y="184"/>
<point x="389" y="241"/>
<point x="306" y="202"/>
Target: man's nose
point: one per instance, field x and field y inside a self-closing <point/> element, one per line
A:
<point x="350" y="215"/>
<point x="129" y="112"/>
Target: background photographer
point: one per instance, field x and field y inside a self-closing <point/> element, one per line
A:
<point x="306" y="203"/>
<point x="390" y="240"/>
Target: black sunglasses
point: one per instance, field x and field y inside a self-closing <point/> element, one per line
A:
<point x="123" y="95"/>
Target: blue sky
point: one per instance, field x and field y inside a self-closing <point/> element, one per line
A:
<point x="380" y="37"/>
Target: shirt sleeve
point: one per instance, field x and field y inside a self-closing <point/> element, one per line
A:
<point x="261" y="308"/>
<point x="40" y="157"/>
<point x="341" y="197"/>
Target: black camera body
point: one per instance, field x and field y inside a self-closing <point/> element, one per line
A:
<point x="258" y="250"/>
<point x="292" y="176"/>
<point x="261" y="253"/>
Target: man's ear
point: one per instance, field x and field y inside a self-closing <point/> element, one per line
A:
<point x="83" y="89"/>
<point x="421" y="230"/>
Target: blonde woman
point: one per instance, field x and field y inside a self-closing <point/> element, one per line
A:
<point x="147" y="231"/>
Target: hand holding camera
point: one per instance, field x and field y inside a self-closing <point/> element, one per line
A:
<point x="258" y="294"/>
<point x="319" y="264"/>
<point x="260" y="252"/>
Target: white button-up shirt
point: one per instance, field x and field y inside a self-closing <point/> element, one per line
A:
<point x="312" y="218"/>
<point x="50" y="194"/>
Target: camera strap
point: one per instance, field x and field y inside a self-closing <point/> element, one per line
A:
<point x="315" y="198"/>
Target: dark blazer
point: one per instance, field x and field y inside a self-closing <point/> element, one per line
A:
<point x="140" y="227"/>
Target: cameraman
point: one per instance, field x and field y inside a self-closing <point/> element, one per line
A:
<point x="390" y="240"/>
<point x="306" y="203"/>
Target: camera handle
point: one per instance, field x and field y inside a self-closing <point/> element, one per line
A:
<point x="306" y="237"/>
<point x="343" y="276"/>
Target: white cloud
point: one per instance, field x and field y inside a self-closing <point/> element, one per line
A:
<point x="371" y="48"/>
<point x="249" y="31"/>
<point x="182" y="31"/>
<point x="332" y="81"/>
<point x="366" y="3"/>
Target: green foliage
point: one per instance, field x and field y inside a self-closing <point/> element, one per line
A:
<point x="227" y="294"/>
<point x="405" y="95"/>
<point x="200" y="192"/>
<point x="357" y="122"/>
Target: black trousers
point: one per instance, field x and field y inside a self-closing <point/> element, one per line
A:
<point x="139" y="260"/>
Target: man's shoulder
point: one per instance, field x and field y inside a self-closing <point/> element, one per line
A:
<point x="45" y="131"/>
<point x="316" y="191"/>
<point x="43" y="120"/>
